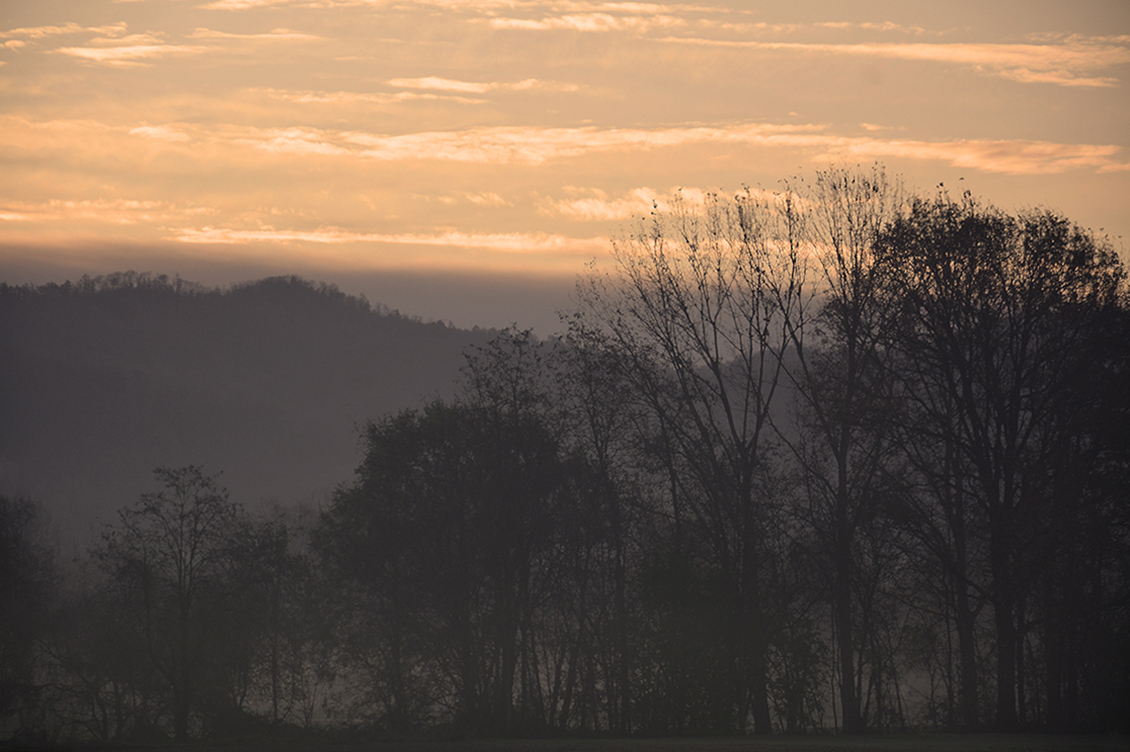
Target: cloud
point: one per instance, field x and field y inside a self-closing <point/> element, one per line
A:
<point x="447" y="84"/>
<point x="271" y="36"/>
<point x="1061" y="77"/>
<point x="132" y="50"/>
<point x="521" y="243"/>
<point x="353" y="97"/>
<point x="531" y="145"/>
<point x="304" y="141"/>
<point x="595" y="205"/>
<point x="1010" y="157"/>
<point x="42" y="32"/>
<point x="534" y="146"/>
<point x="441" y="84"/>
<point x="477" y="6"/>
<point x="1063" y="63"/>
<point x="628" y="7"/>
<point x="590" y="22"/>
<point x="487" y="198"/>
<point x="127" y="56"/>
<point x="103" y="211"/>
<point x="599" y="207"/>
<point x="160" y="133"/>
<point x="242" y="4"/>
<point x="872" y="26"/>
<point x="506" y="145"/>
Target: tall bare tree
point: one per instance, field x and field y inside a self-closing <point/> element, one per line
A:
<point x="843" y="392"/>
<point x="706" y="295"/>
<point x="169" y="560"/>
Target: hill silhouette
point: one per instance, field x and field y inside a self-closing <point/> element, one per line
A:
<point x="108" y="378"/>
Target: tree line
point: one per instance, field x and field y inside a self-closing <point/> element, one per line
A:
<point x="835" y="456"/>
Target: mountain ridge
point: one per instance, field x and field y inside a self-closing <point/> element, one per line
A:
<point x="266" y="381"/>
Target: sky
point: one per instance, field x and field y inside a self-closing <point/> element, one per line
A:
<point x="465" y="160"/>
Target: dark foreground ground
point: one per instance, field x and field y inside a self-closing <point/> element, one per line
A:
<point x="877" y="743"/>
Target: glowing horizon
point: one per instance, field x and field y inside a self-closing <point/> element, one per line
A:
<point x="516" y="137"/>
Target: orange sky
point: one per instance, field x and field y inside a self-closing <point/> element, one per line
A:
<point x="381" y="144"/>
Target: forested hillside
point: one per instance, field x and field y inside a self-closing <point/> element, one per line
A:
<point x="105" y="379"/>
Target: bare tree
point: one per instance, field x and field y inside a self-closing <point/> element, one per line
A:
<point x="707" y="296"/>
<point x="843" y="394"/>
<point x="168" y="559"/>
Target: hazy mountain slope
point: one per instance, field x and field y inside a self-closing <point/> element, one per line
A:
<point x="104" y="380"/>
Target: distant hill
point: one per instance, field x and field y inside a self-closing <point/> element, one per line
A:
<point x="104" y="379"/>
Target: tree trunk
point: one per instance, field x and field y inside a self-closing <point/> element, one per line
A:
<point x="1004" y="607"/>
<point x="841" y="604"/>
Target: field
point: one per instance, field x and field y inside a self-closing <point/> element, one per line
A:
<point x="876" y="743"/>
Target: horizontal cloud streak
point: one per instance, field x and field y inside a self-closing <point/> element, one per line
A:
<point x="127" y="51"/>
<point x="591" y="22"/>
<point x="42" y="32"/>
<point x="534" y="146"/>
<point x="1062" y="63"/>
<point x="271" y="36"/>
<point x="527" y="145"/>
<point x="128" y="55"/>
<point x="353" y="97"/>
<point x="599" y="207"/>
<point x="498" y="242"/>
<point x="102" y="211"/>
<point x="447" y="84"/>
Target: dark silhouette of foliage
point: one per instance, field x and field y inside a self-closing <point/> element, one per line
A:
<point x="830" y="458"/>
<point x="27" y="587"/>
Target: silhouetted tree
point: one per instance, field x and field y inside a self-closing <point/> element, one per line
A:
<point x="169" y="561"/>
<point x="27" y="589"/>
<point x="699" y="304"/>
<point x="844" y="397"/>
<point x="999" y="340"/>
<point x="447" y="530"/>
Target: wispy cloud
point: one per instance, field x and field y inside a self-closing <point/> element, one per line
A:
<point x="534" y="146"/>
<point x="523" y="243"/>
<point x="531" y="145"/>
<point x="598" y="206"/>
<point x="595" y="205"/>
<point x="488" y="199"/>
<point x="127" y="51"/>
<point x="275" y="35"/>
<point x="1067" y="63"/>
<point x="160" y="133"/>
<point x="480" y="6"/>
<point x="304" y="141"/>
<point x="354" y="97"/>
<point x="538" y="145"/>
<point x="102" y="211"/>
<point x="591" y="22"/>
<point x="1011" y="157"/>
<point x="43" y="32"/>
<point x="127" y="55"/>
<point x="572" y="6"/>
<point x="242" y="4"/>
<point x="475" y="87"/>
<point x="872" y="26"/>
